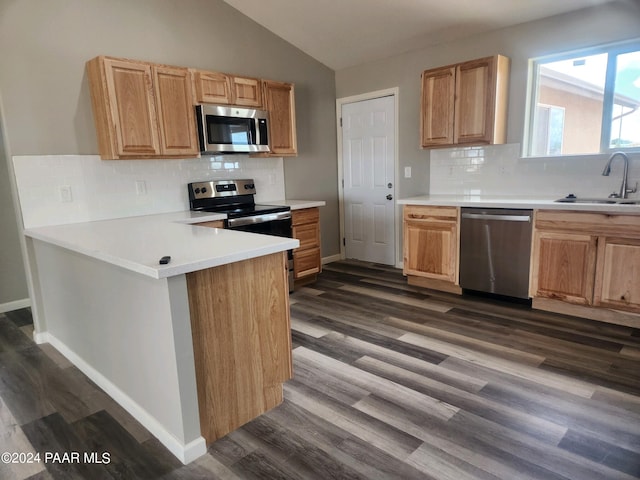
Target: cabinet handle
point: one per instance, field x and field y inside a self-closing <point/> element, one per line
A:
<point x="504" y="218"/>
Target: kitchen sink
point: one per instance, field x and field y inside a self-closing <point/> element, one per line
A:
<point x="610" y="201"/>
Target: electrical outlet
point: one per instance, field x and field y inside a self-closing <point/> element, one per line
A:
<point x="407" y="172"/>
<point x="66" y="196"/>
<point x="141" y="187"/>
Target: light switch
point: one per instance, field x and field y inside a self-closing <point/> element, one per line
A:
<point x="407" y="172"/>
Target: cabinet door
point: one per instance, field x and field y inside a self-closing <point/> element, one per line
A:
<point x="431" y="242"/>
<point x="280" y="103"/>
<point x="246" y="92"/>
<point x="618" y="274"/>
<point x="176" y="116"/>
<point x="436" y="121"/>
<point x="212" y="87"/>
<point x="474" y="99"/>
<point x="563" y="266"/>
<point x="132" y="107"/>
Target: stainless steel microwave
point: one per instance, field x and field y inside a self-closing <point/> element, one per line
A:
<point x="223" y="129"/>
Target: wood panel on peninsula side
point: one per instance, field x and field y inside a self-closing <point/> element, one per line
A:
<point x="241" y="340"/>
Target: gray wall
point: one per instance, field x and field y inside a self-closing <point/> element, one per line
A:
<point x="615" y="21"/>
<point x="13" y="283"/>
<point x="44" y="46"/>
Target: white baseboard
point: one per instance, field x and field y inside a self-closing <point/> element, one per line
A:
<point x="185" y="453"/>
<point x="333" y="258"/>
<point x="15" y="305"/>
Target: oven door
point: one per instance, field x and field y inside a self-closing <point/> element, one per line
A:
<point x="278" y="224"/>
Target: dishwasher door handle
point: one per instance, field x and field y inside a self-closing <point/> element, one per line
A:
<point x="505" y="218"/>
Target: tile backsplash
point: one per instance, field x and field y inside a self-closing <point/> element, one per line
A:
<point x="499" y="170"/>
<point x="61" y="189"/>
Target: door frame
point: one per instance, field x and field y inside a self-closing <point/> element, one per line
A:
<point x="394" y="92"/>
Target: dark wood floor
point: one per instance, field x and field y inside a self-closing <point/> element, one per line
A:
<point x="391" y="382"/>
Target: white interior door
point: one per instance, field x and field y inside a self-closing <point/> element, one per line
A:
<point x="368" y="151"/>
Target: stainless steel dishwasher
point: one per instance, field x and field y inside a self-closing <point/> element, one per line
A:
<point x="495" y="248"/>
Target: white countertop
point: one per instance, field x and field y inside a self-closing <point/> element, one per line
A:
<point x="138" y="243"/>
<point x="492" y="201"/>
<point x="297" y="204"/>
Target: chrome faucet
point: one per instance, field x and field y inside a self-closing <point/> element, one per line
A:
<point x="623" y="188"/>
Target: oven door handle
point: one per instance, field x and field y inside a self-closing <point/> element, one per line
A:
<point x="267" y="217"/>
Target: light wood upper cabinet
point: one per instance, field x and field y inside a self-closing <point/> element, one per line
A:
<point x="465" y="103"/>
<point x="247" y="92"/>
<point x="438" y="94"/>
<point x="587" y="258"/>
<point x="431" y="242"/>
<point x="172" y="87"/>
<point x="280" y="103"/>
<point x="141" y="110"/>
<point x="222" y="89"/>
<point x="211" y="87"/>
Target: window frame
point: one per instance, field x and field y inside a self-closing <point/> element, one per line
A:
<point x="612" y="50"/>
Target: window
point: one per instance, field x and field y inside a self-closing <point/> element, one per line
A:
<point x="585" y="102"/>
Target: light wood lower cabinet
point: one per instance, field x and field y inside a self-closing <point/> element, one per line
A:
<point x="306" y="258"/>
<point x="565" y="266"/>
<point x="587" y="258"/>
<point x="241" y="340"/>
<point x="618" y="274"/>
<point x="431" y="239"/>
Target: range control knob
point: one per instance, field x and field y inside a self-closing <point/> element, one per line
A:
<point x="249" y="186"/>
<point x="197" y="190"/>
<point x="204" y="190"/>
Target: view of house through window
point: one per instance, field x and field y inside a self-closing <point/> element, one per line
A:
<point x="586" y="103"/>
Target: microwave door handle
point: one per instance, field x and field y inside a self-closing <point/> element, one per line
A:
<point x="252" y="132"/>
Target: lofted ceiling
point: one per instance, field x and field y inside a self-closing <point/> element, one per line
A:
<point x="344" y="33"/>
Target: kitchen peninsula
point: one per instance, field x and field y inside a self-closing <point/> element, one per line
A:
<point x="192" y="349"/>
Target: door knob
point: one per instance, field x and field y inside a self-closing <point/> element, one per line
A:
<point x="389" y="197"/>
<point x="389" y="185"/>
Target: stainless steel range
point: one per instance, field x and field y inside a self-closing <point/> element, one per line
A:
<point x="235" y="198"/>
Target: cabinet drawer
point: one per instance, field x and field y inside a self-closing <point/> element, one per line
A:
<point x="308" y="235"/>
<point x="306" y="262"/>
<point x="430" y="214"/>
<point x="590" y="223"/>
<point x="306" y="215"/>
